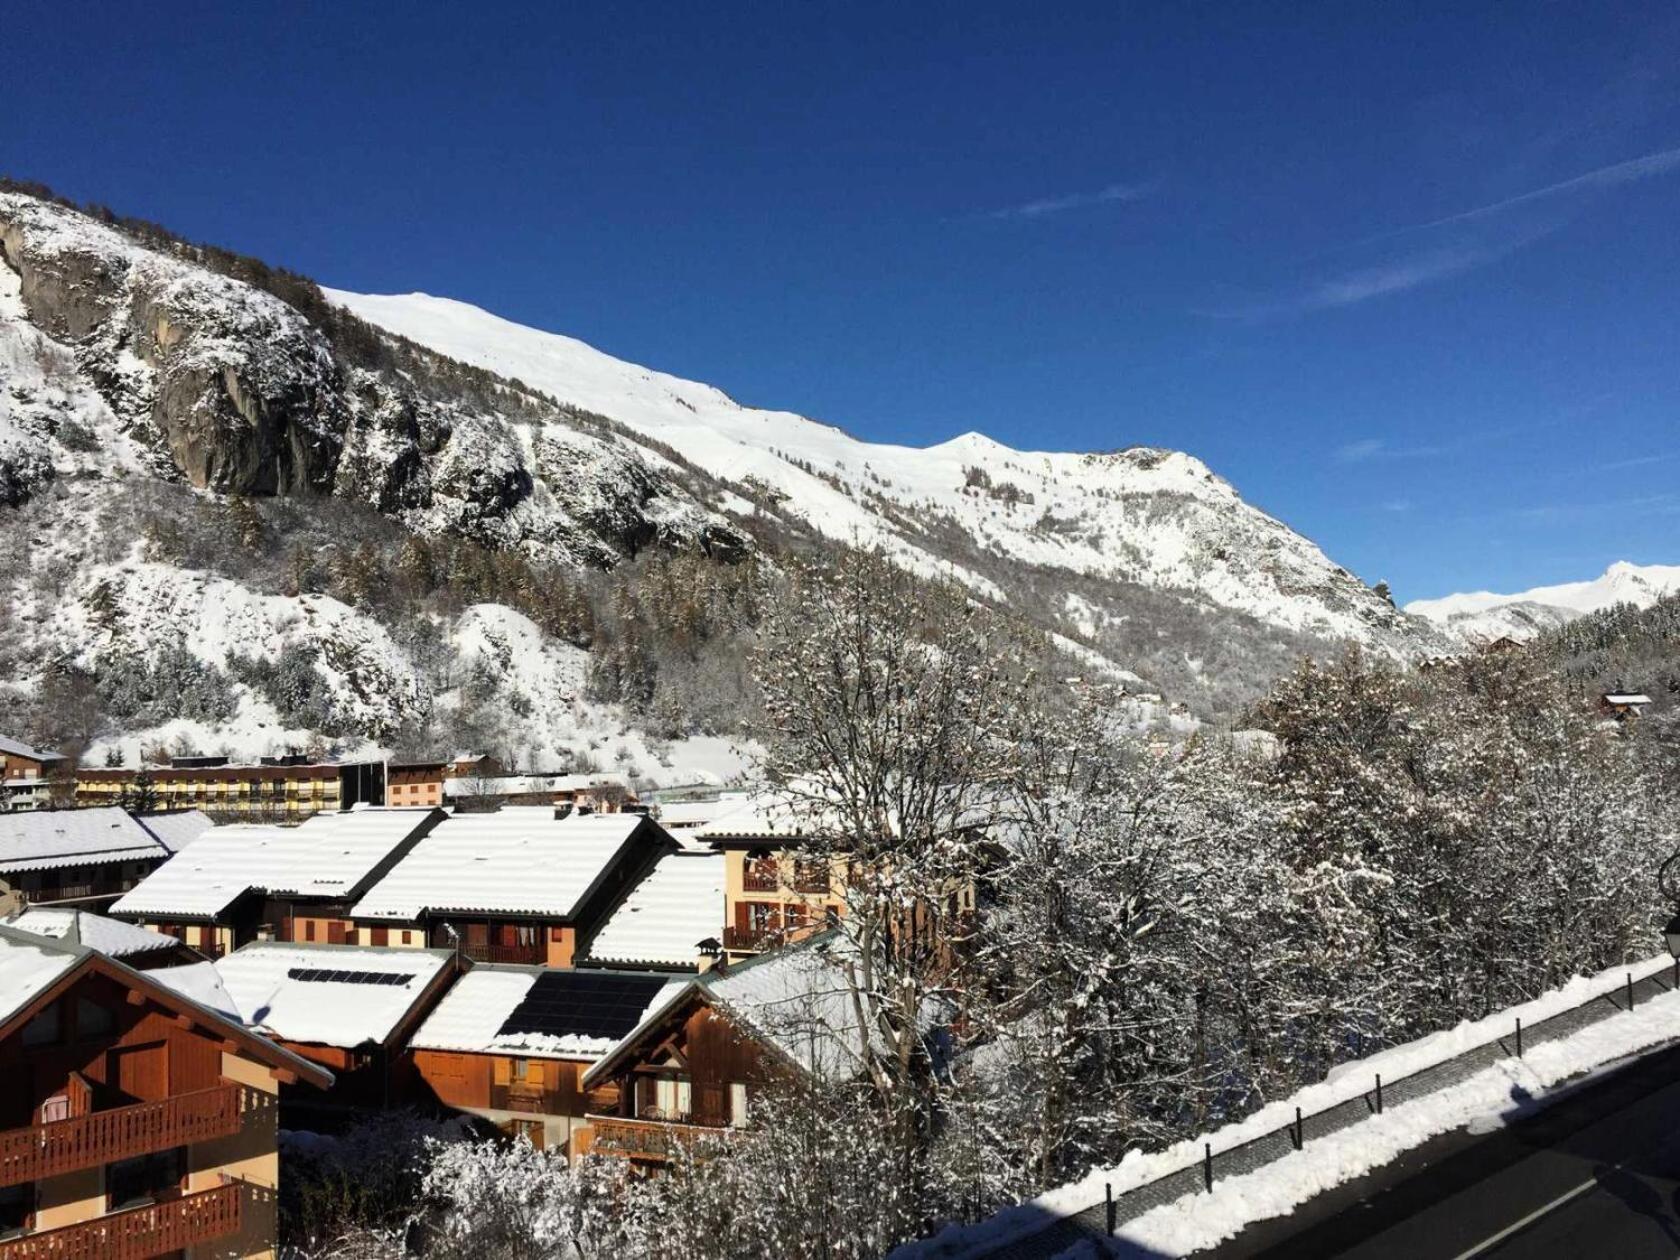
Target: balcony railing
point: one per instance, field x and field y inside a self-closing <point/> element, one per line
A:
<point x="532" y="954"/>
<point x="748" y="938"/>
<point x="811" y="877"/>
<point x="761" y="878"/>
<point x="101" y="1137"/>
<point x="138" y="1233"/>
<point x="532" y="1099"/>
<point x="643" y="1139"/>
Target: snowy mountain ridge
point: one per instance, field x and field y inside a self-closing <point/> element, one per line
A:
<point x="1153" y="517"/>
<point x="213" y="462"/>
<point x="1484" y="615"/>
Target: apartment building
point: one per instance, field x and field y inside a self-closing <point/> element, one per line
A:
<point x="279" y="788"/>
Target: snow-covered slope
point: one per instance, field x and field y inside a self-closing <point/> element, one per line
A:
<point x="1483" y="615"/>
<point x="1155" y="518"/>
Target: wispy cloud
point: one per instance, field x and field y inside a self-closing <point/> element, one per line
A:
<point x="1666" y="504"/>
<point x="1467" y="239"/>
<point x="1637" y="461"/>
<point x="1397" y="505"/>
<point x="1073" y="201"/>
<point x="1367" y="450"/>
<point x="1628" y="172"/>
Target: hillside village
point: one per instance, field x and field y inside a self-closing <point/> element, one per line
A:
<point x="465" y="795"/>
<point x="603" y="979"/>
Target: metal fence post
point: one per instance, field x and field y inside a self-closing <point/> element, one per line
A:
<point x="1379" y="1093"/>
<point x="1519" y="1038"/>
<point x="1207" y="1165"/>
<point x="1108" y="1190"/>
<point x="1630" y="990"/>
<point x="1298" y="1133"/>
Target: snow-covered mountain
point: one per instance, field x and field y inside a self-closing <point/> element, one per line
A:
<point x="1484" y="615"/>
<point x="1151" y="517"/>
<point x="217" y="472"/>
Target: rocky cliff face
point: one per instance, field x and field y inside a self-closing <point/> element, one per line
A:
<point x="237" y="392"/>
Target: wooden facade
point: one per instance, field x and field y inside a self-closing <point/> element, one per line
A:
<point x="540" y="1097"/>
<point x="134" y="1123"/>
<point x="694" y="1069"/>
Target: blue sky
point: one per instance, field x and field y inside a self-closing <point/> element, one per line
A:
<point x="1407" y="276"/>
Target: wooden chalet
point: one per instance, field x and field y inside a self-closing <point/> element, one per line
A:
<point x="1622" y="705"/>
<point x="138" y="947"/>
<point x="29" y="776"/>
<point x="347" y="1008"/>
<point x="246" y="882"/>
<point x="510" y="1045"/>
<point x="135" y="1122"/>
<point x="76" y="854"/>
<point x="696" y="1063"/>
<point x="514" y="886"/>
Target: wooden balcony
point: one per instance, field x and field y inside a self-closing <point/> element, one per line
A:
<point x="761" y="878"/>
<point x="138" y="1233"/>
<point x="643" y="1139"/>
<point x="534" y="954"/>
<point x="811" y="877"/>
<point x="748" y="939"/>
<point x="101" y="1137"/>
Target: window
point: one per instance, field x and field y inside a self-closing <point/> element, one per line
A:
<point x="17" y="1205"/>
<point x="146" y="1179"/>
<point x="673" y="1099"/>
<point x="94" y="1020"/>
<point x="737" y="1103"/>
<point x="521" y="1069"/>
<point x="45" y="1028"/>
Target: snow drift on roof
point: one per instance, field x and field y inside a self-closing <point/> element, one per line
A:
<point x="322" y="994"/>
<point x="111" y="937"/>
<point x="663" y="920"/>
<point x="330" y="855"/>
<point x="73" y="837"/>
<point x="514" y="861"/>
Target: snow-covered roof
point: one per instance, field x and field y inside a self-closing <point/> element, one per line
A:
<point x="795" y="999"/>
<point x="28" y="965"/>
<point x="17" y="748"/>
<point x="529" y="784"/>
<point x="201" y="983"/>
<point x="662" y="922"/>
<point x="44" y="839"/>
<point x="175" y="831"/>
<point x="329" y="855"/>
<point x="111" y="937"/>
<point x="513" y="861"/>
<point x="768" y="815"/>
<point x="1626" y="697"/>
<point x="332" y="995"/>
<point x="697" y="813"/>
<point x="475" y="1014"/>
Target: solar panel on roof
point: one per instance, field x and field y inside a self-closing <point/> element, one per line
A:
<point x="324" y="975"/>
<point x="583" y="1004"/>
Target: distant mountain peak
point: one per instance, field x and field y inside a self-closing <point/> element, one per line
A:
<point x="1485" y="614"/>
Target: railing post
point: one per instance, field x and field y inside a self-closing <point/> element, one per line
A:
<point x="1298" y="1134"/>
<point x="1207" y="1166"/>
<point x="1630" y="990"/>
<point x="1519" y="1038"/>
<point x="1108" y="1193"/>
<point x="1379" y="1093"/>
